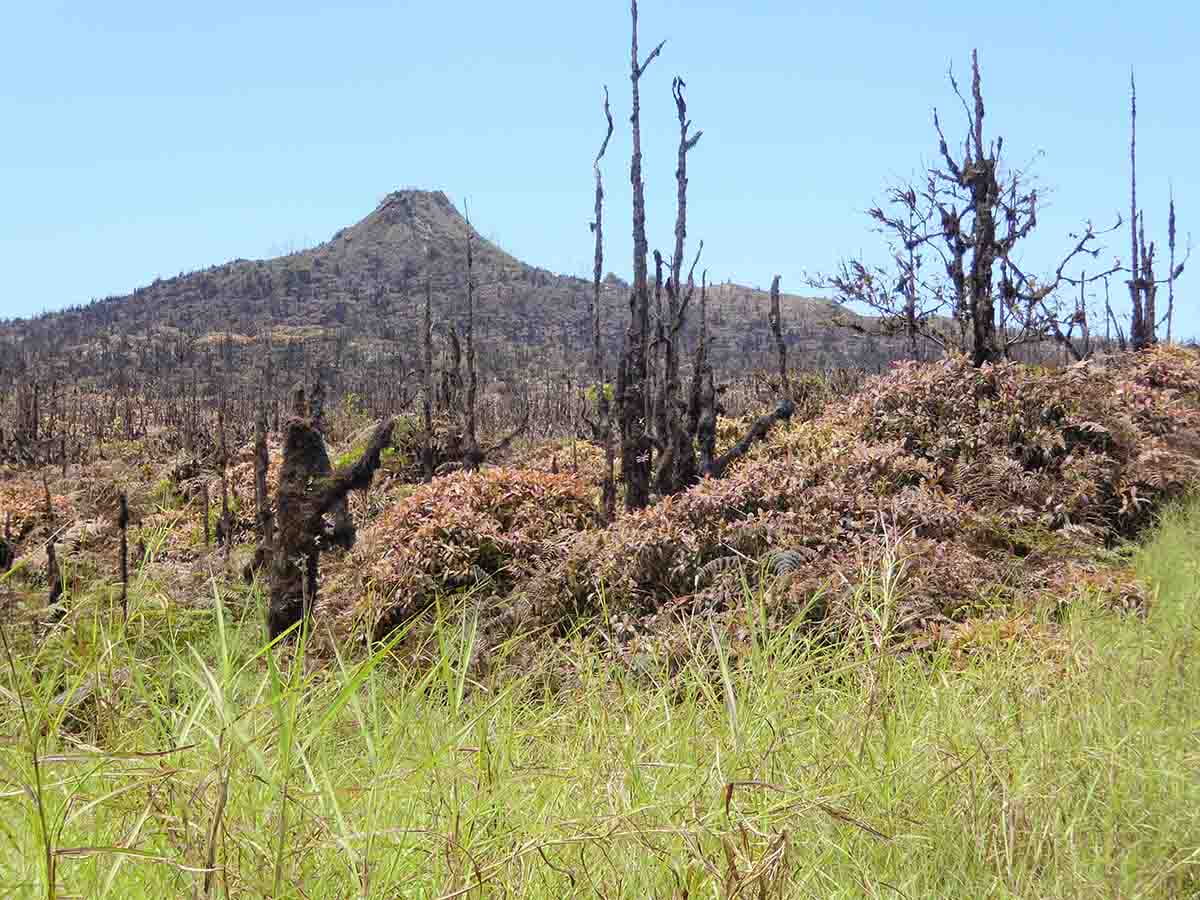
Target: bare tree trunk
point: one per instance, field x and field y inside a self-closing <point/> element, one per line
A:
<point x="1112" y="318"/>
<point x="8" y="552"/>
<point x="608" y="500"/>
<point x="427" y="373"/>
<point x="635" y="442"/>
<point x="309" y="488"/>
<point x="123" y="562"/>
<point x="471" y="455"/>
<point x="1082" y="316"/>
<point x="985" y="192"/>
<point x="53" y="578"/>
<point x="225" y="524"/>
<point x="1148" y="286"/>
<point x="678" y="468"/>
<point x="774" y="319"/>
<point x="1171" y="263"/>
<point x="1138" y="333"/>
<point x="910" y="290"/>
<point x="702" y="408"/>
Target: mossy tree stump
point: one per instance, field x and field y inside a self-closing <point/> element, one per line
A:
<point x="312" y="515"/>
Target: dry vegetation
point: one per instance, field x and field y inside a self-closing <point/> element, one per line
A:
<point x="846" y="634"/>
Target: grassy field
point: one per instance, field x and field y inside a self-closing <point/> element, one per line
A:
<point x="1037" y="755"/>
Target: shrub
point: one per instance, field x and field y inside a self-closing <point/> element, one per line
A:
<point x="994" y="473"/>
<point x="491" y="528"/>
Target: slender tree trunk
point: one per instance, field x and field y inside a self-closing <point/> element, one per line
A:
<point x="123" y="524"/>
<point x="702" y="410"/>
<point x="1171" y="263"/>
<point x="774" y="319"/>
<point x="603" y="407"/>
<point x="471" y="455"/>
<point x="678" y="469"/>
<point x="427" y="373"/>
<point x="635" y="442"/>
<point x="1138" y="332"/>
<point x="53" y="578"/>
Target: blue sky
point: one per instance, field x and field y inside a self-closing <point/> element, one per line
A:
<point x="144" y="139"/>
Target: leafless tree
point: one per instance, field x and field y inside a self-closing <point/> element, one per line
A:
<point x="633" y="372"/>
<point x="427" y="374"/>
<point x="603" y="425"/>
<point x="1142" y="283"/>
<point x="471" y="455"/>
<point x="971" y="214"/>
<point x="123" y="553"/>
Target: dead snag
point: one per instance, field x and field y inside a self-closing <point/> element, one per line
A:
<point x="757" y="432"/>
<point x="603" y="428"/>
<point x="123" y="524"/>
<point x="633" y="372"/>
<point x="1141" y="333"/>
<point x="1171" y="264"/>
<point x="54" y="578"/>
<point x="8" y="551"/>
<point x="427" y="374"/>
<point x="680" y="469"/>
<point x="1147" y="285"/>
<point x="472" y="457"/>
<point x="775" y="321"/>
<point x="762" y="426"/>
<point x="702" y="398"/>
<point x="309" y="489"/>
<point x="225" y="523"/>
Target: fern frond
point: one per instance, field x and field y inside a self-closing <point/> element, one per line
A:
<point x="715" y="568"/>
<point x="782" y="562"/>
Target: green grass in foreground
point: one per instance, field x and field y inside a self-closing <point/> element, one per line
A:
<point x="1058" y="765"/>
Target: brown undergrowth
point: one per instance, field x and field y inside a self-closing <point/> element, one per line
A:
<point x="992" y="492"/>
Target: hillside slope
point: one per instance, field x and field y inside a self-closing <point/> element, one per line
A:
<point x="359" y="295"/>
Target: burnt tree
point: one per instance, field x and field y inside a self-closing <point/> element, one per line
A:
<point x="602" y="429"/>
<point x="312" y="514"/>
<point x="663" y="430"/>
<point x="427" y="375"/>
<point x="1143" y="286"/>
<point x="54" y="579"/>
<point x="971" y="214"/>
<point x="123" y="558"/>
<point x="633" y="371"/>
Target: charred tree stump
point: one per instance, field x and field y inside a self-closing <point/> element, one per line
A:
<point x="8" y="552"/>
<point x="123" y="561"/>
<point x="309" y="490"/>
<point x="55" y="580"/>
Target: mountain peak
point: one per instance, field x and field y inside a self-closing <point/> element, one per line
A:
<point x="408" y="223"/>
<point x="410" y="199"/>
<point x="365" y="284"/>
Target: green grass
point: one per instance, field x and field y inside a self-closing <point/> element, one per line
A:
<point x="1059" y="764"/>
